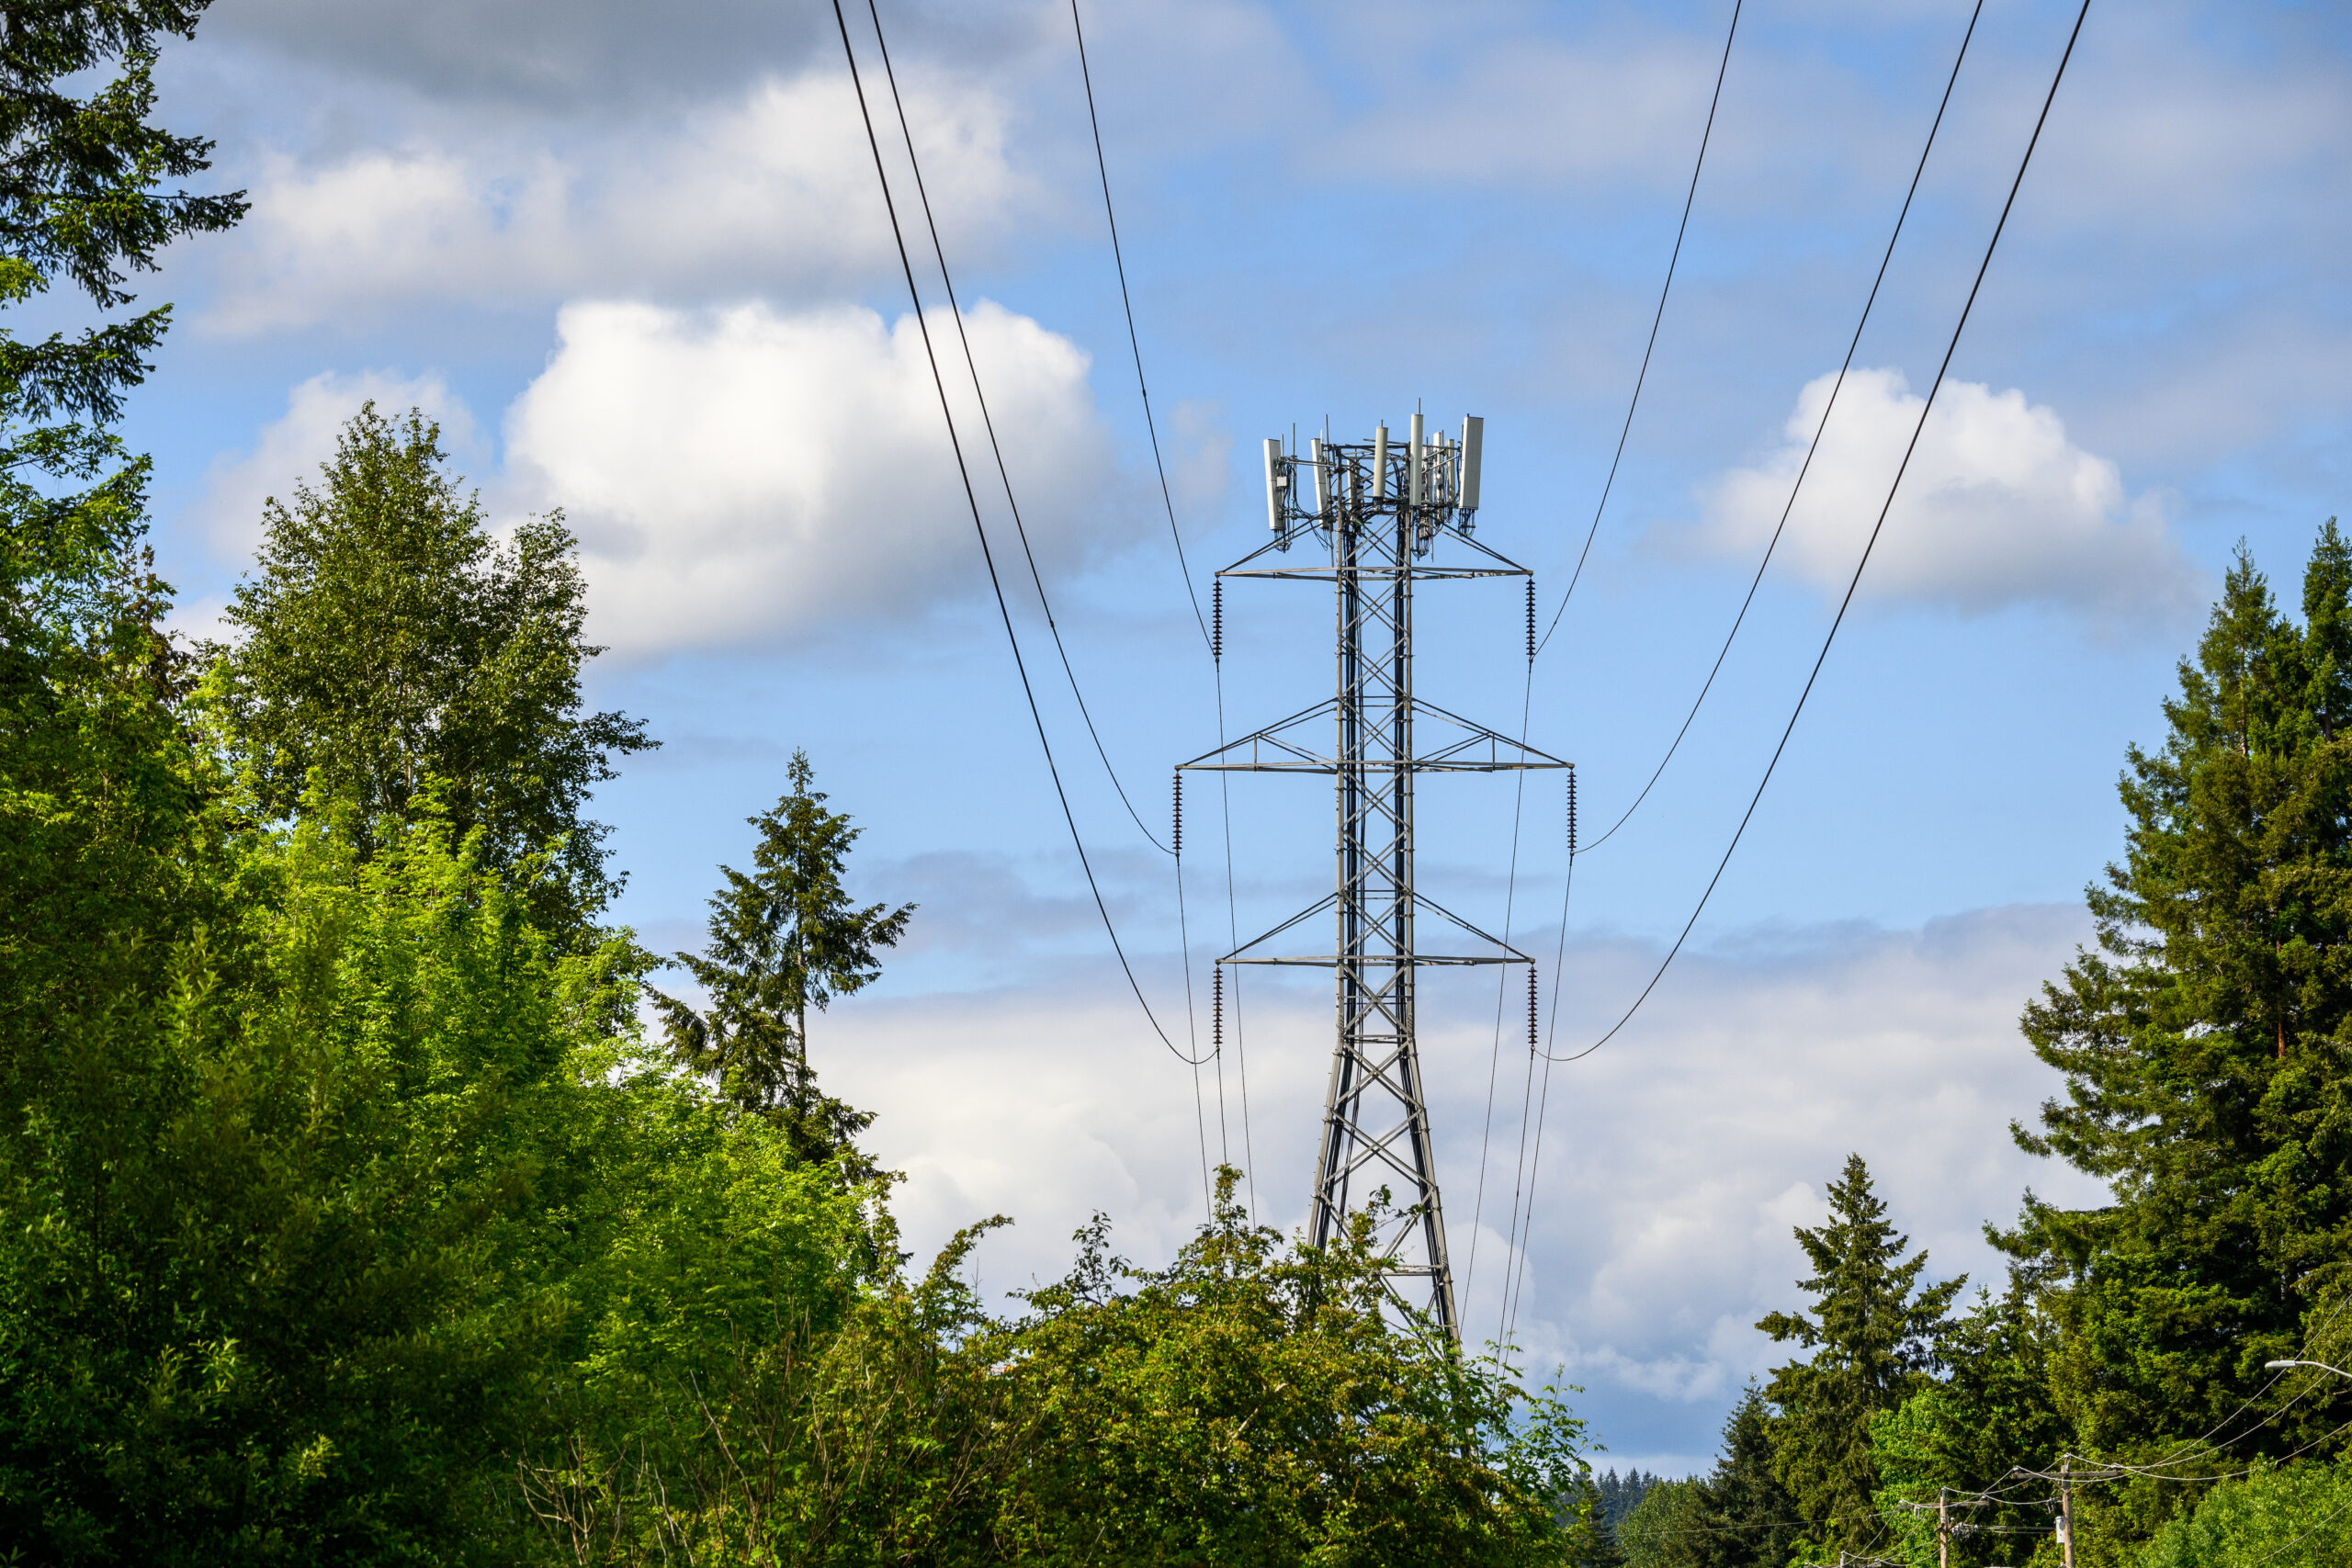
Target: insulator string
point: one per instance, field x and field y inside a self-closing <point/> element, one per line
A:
<point x="1176" y="822"/>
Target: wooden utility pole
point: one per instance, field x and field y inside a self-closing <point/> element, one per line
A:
<point x="1943" y="1527"/>
<point x="2067" y="1509"/>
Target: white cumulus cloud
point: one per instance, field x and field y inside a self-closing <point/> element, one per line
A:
<point x="749" y="476"/>
<point x="290" y="448"/>
<point x="772" y="189"/>
<point x="1997" y="507"/>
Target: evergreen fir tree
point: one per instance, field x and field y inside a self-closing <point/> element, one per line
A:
<point x="2207" y="1048"/>
<point x="1874" y="1334"/>
<point x="1752" y="1516"/>
<point x="782" y="937"/>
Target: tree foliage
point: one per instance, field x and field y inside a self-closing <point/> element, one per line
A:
<point x="783" y="935"/>
<point x="386" y="640"/>
<point x="1876" y="1337"/>
<point x="79" y="196"/>
<point x="2205" y="1044"/>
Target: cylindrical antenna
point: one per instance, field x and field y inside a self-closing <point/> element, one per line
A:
<point x="1322" y="482"/>
<point x="1474" y="437"/>
<point x="1274" y="483"/>
<point x="1380" y="462"/>
<point x="1413" y="464"/>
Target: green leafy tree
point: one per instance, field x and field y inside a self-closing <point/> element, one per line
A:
<point x="1875" y="1334"/>
<point x="2299" y="1516"/>
<point x="783" y="936"/>
<point x="1995" y="1410"/>
<point x="1671" y="1526"/>
<point x="98" y="796"/>
<point x="1254" y="1404"/>
<point x="386" y="640"/>
<point x="2206" y="1044"/>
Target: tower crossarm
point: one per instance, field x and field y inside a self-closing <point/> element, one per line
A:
<point x="1294" y="746"/>
<point x="1496" y="951"/>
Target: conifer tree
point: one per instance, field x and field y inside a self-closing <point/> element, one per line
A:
<point x="2207" y="1048"/>
<point x="1751" y="1515"/>
<point x="783" y="936"/>
<point x="1875" y="1334"/>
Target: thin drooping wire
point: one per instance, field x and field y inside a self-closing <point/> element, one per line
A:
<point x="1233" y="941"/>
<point x="1643" y="376"/>
<point x="1502" y="986"/>
<point x="1135" y="343"/>
<point x="1168" y="505"/>
<point x="988" y="422"/>
<point x="988" y="557"/>
<point x="1845" y="604"/>
<point x="1518" y="1239"/>
<point x="1852" y="345"/>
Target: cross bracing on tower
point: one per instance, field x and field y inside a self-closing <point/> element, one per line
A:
<point x="1375" y="517"/>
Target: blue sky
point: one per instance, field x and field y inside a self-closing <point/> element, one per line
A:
<point x="637" y="264"/>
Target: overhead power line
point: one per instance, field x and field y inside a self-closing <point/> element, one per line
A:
<point x="1135" y="343"/>
<point x="1514" y="1300"/>
<point x="1927" y="407"/>
<point x="1852" y="345"/>
<point x="988" y="557"/>
<point x="1213" y="638"/>
<point x="1659" y="315"/>
<point x="1526" y="695"/>
<point x="988" y="422"/>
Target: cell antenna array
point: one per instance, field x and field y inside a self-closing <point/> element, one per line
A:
<point x="1376" y="517"/>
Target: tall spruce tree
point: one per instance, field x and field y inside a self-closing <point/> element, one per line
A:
<point x="783" y="936"/>
<point x="2207" y="1049"/>
<point x="388" y="649"/>
<point x="1875" y="1334"/>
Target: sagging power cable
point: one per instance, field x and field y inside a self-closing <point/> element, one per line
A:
<point x="1213" y="638"/>
<point x="988" y="556"/>
<point x="1642" y="376"/>
<point x="1119" y="260"/>
<point x="1927" y="407"/>
<point x="988" y="422"/>
<point x="1852" y="346"/>
<point x="1514" y="1299"/>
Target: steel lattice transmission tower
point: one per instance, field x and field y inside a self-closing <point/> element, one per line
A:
<point x="1380" y="517"/>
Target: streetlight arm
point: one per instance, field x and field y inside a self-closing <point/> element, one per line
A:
<point x="2322" y="1366"/>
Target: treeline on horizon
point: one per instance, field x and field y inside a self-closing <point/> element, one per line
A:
<point x="351" y="1211"/>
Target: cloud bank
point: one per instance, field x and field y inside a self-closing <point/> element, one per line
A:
<point x="1674" y="1163"/>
